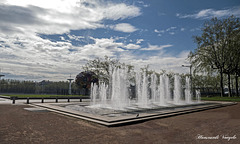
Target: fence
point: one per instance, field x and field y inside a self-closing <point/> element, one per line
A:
<point x="68" y="99"/>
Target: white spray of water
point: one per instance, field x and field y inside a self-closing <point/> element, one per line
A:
<point x="103" y="88"/>
<point x="94" y="89"/>
<point x="198" y="96"/>
<point x="120" y="84"/>
<point x="162" y="91"/>
<point x="142" y="89"/>
<point x="177" y="90"/>
<point x="188" y="94"/>
<point x="167" y="87"/>
<point x="153" y="86"/>
<point x="148" y="92"/>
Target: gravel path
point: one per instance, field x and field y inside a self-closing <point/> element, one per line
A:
<point x="18" y="125"/>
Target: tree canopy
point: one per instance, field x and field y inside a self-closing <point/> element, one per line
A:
<point x="217" y="47"/>
<point x="84" y="79"/>
<point x="103" y="67"/>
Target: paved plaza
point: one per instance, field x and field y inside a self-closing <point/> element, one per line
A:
<point x="20" y="124"/>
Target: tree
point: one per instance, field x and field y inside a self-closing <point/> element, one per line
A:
<point x="236" y="61"/>
<point x="103" y="67"/>
<point x="232" y="28"/>
<point x="214" y="47"/>
<point x="84" y="80"/>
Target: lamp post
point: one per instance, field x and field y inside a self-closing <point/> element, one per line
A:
<point x="0" y="77"/>
<point x="1" y="74"/>
<point x="190" y="67"/>
<point x="70" y="88"/>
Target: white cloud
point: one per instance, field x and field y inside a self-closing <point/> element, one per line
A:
<point x="159" y="31"/>
<point x="73" y="37"/>
<point x="108" y="44"/>
<point x="195" y="29"/>
<point x="132" y="46"/>
<point x="62" y="38"/>
<point x="156" y="47"/>
<point x="159" y="61"/>
<point x="171" y="28"/>
<point x="156" y="31"/>
<point x="210" y="13"/>
<point x="61" y="16"/>
<point x="139" y="41"/>
<point x="37" y="58"/>
<point x="124" y="27"/>
<point x="182" y="29"/>
<point x="26" y="55"/>
<point x="120" y="11"/>
<point x="143" y="4"/>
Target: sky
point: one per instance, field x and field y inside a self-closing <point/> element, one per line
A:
<point x="51" y="39"/>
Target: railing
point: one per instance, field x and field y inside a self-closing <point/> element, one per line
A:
<point x="68" y="98"/>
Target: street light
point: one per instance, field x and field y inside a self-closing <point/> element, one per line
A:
<point x="190" y="67"/>
<point x="70" y="89"/>
<point x="1" y="76"/>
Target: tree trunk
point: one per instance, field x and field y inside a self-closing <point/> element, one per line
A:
<point x="221" y="83"/>
<point x="236" y="79"/>
<point x="229" y="85"/>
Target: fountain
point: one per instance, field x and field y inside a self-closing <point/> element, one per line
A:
<point x="119" y="95"/>
<point x="162" y="91"/>
<point x="114" y="102"/>
<point x="153" y="86"/>
<point x="94" y="90"/>
<point x="177" y="90"/>
<point x="142" y="89"/>
<point x="188" y="94"/>
<point x="198" y="96"/>
<point x="151" y="91"/>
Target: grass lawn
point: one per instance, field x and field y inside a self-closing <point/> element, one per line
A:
<point x="232" y="99"/>
<point x="38" y="95"/>
<point x="216" y="98"/>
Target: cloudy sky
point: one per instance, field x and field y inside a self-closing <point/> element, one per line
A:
<point x="51" y="39"/>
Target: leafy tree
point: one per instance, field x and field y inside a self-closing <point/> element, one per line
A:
<point x="214" y="47"/>
<point x="84" y="80"/>
<point x="103" y="67"/>
<point x="234" y="57"/>
<point x="232" y="29"/>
